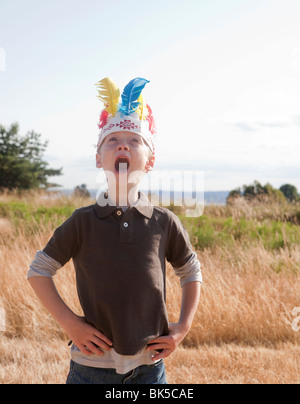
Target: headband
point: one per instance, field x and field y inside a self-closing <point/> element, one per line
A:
<point x="131" y="114"/>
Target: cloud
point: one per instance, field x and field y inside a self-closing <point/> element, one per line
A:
<point x="258" y="125"/>
<point x="296" y="120"/>
<point x="246" y="127"/>
<point x="296" y="59"/>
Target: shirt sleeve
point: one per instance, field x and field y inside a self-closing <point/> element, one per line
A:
<point x="180" y="253"/>
<point x="179" y="248"/>
<point x="43" y="266"/>
<point x="190" y="272"/>
<point x="64" y="243"/>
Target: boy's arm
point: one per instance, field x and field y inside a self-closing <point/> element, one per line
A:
<point x="85" y="337"/>
<point x="178" y="331"/>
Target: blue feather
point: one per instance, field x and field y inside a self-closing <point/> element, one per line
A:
<point x="131" y="94"/>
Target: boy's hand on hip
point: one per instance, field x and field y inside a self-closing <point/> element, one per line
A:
<point x="168" y="343"/>
<point x="87" y="338"/>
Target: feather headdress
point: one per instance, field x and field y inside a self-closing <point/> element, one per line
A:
<point x="132" y="114"/>
<point x="109" y="94"/>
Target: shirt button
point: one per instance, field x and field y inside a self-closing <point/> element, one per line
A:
<point x="125" y="224"/>
<point x="119" y="213"/>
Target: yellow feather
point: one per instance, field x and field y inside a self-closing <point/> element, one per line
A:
<point x="109" y="94"/>
<point x="142" y="109"/>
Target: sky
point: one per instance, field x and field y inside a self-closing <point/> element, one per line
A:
<point x="224" y="82"/>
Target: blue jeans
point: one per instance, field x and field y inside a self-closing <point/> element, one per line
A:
<point x="146" y="374"/>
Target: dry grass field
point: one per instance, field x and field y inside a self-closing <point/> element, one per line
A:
<point x="242" y="332"/>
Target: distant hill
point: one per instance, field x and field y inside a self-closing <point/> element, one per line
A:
<point x="210" y="197"/>
<point x="216" y="197"/>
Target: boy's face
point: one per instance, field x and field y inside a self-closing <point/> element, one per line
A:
<point x="127" y="149"/>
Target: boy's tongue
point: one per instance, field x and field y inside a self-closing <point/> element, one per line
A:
<point x="122" y="164"/>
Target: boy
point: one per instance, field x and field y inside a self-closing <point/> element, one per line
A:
<point x="119" y="247"/>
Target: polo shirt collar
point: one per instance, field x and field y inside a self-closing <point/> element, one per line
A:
<point x="142" y="205"/>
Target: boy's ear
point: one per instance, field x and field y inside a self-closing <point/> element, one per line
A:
<point x="98" y="161"/>
<point x="150" y="164"/>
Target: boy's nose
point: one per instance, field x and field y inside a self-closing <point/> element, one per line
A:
<point x="123" y="146"/>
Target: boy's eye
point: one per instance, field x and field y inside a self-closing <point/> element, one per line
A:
<point x="113" y="139"/>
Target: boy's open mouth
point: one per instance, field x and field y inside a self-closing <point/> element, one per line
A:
<point x="122" y="164"/>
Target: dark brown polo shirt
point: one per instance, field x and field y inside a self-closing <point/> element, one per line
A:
<point x="119" y="258"/>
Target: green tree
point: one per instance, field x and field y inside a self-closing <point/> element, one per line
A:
<point x="290" y="192"/>
<point x="81" y="191"/>
<point x="257" y="192"/>
<point x="273" y="194"/>
<point x="252" y="191"/>
<point x="235" y="193"/>
<point x="21" y="164"/>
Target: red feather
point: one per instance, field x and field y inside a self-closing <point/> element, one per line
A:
<point x="103" y="119"/>
<point x="150" y="119"/>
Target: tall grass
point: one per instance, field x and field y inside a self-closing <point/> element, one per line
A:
<point x="250" y="263"/>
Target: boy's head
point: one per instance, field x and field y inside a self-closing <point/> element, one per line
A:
<point x="127" y="129"/>
<point x="125" y="153"/>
